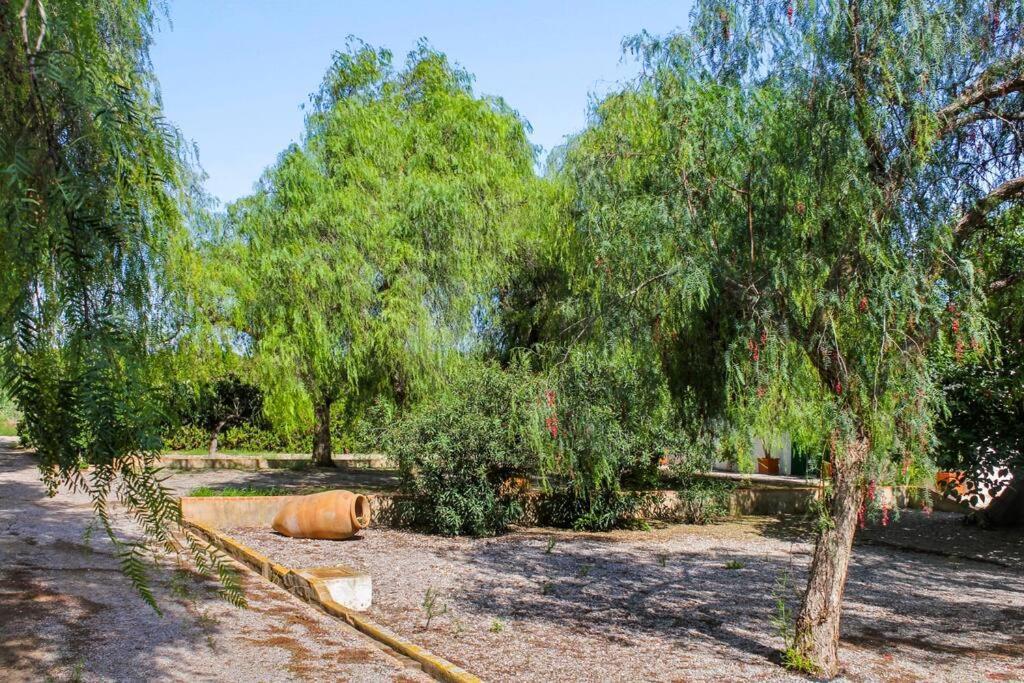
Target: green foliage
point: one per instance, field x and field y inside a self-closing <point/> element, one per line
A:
<point x="367" y="248"/>
<point x="749" y="140"/>
<point x="430" y="606"/>
<point x="461" y="452"/>
<point x="210" y="407"/>
<point x="233" y="491"/>
<point x="609" y="420"/>
<point x="703" y="500"/>
<point x="96" y="185"/>
<point x="982" y="432"/>
<point x="782" y="620"/>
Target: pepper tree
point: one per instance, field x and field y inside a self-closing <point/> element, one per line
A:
<point x="95" y="186"/>
<point x="791" y="193"/>
<point x="367" y="248"/>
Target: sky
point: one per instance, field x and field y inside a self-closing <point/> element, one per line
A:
<point x="234" y="73"/>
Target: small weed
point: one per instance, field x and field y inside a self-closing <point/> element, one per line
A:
<point x="584" y="570"/>
<point x="792" y="658"/>
<point x="87" y="535"/>
<point x="547" y="588"/>
<point x="208" y="623"/>
<point x="181" y="584"/>
<point x="551" y="545"/>
<point x="457" y="627"/>
<point x="497" y="626"/>
<point x="734" y="564"/>
<point x="430" y="606"/>
<point x="663" y="559"/>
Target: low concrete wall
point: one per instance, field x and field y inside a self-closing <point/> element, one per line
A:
<point x="767" y="500"/>
<point x="268" y="461"/>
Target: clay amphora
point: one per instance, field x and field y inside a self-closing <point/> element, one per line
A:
<point x="330" y="515"/>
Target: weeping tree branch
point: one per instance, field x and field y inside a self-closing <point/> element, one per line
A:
<point x="976" y="217"/>
<point x="983" y="91"/>
<point x="1005" y="282"/>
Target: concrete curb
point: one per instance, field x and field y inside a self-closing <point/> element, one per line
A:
<point x="315" y="592"/>
<point x="269" y="461"/>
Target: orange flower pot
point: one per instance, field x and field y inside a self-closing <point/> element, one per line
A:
<point x="948" y="482"/>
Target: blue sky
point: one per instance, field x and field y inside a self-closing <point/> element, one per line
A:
<point x="234" y="73"/>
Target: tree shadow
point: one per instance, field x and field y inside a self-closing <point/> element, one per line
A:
<point x="355" y="479"/>
<point x="937" y="610"/>
<point x="67" y="607"/>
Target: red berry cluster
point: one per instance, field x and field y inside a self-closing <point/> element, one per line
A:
<point x="755" y="348"/>
<point x="955" y="326"/>
<point x="863" y="304"/>
<point x="789" y="12"/>
<point x="551" y="421"/>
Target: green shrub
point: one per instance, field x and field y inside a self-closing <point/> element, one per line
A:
<point x="609" y="421"/>
<point x="232" y="491"/>
<point x="600" y="509"/>
<point x="458" y="452"/>
<point x="703" y="500"/>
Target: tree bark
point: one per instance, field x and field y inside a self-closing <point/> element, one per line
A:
<point x="215" y="437"/>
<point x="817" y="624"/>
<point x="322" y="435"/>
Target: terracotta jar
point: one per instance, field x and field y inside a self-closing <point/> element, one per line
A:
<point x="331" y="515"/>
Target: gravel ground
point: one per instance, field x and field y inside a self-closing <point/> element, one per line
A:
<point x="946" y="533"/>
<point x="68" y="613"/>
<point x="678" y="603"/>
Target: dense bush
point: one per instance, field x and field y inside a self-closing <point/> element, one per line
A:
<point x="232" y="410"/>
<point x="463" y="453"/>
<point x="610" y="421"/>
<point x="702" y="500"/>
<point x="591" y="509"/>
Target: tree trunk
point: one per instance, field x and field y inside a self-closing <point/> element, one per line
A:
<point x="322" y="435"/>
<point x="816" y="637"/>
<point x="214" y="437"/>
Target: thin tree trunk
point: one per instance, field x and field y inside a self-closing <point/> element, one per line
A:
<point x="817" y="624"/>
<point x="322" y="435"/>
<point x="215" y="437"/>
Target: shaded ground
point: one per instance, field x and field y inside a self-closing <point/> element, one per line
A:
<point x="945" y="533"/>
<point x="67" y="612"/>
<point x="679" y="603"/>
<point x="355" y="479"/>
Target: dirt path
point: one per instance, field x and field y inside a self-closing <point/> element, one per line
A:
<point x="67" y="613"/>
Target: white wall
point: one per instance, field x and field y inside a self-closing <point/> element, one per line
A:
<point x="780" y="447"/>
